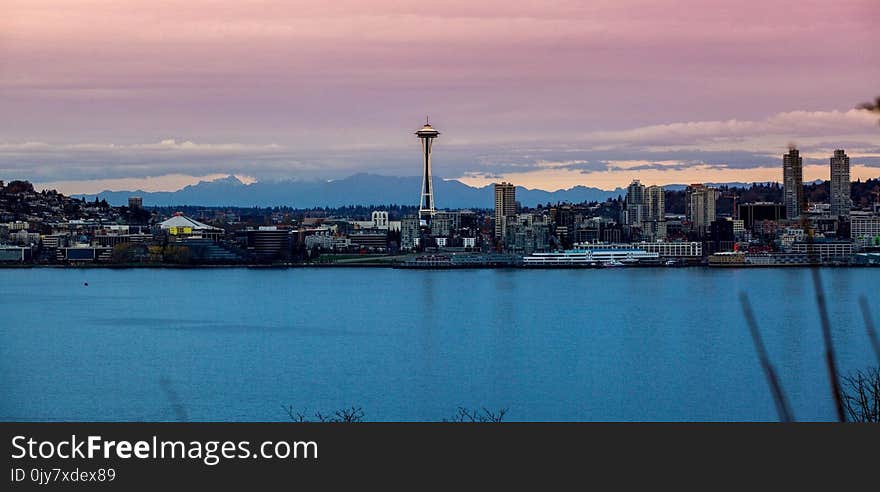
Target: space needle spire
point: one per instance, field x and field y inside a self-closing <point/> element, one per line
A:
<point x="426" y="203"/>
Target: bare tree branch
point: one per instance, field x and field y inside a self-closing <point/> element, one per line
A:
<point x="782" y="407"/>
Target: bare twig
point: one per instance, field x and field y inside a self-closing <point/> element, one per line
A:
<point x="782" y="407"/>
<point x="345" y="415"/>
<point x="177" y="405"/>
<point x="466" y="415"/>
<point x="861" y="395"/>
<point x="295" y="416"/>
<point x="830" y="359"/>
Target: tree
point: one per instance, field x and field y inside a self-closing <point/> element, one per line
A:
<point x="345" y="415"/>
<point x="871" y="106"/>
<point x="121" y="253"/>
<point x="861" y="395"/>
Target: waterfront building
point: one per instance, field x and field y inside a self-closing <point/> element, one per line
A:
<point x="865" y="229"/>
<point x="790" y="236"/>
<point x="589" y="257"/>
<point x="824" y="250"/>
<point x="201" y="250"/>
<point x="371" y="241"/>
<point x="84" y="254"/>
<point x="25" y="238"/>
<point x="114" y="239"/>
<point x="53" y="241"/>
<point x="526" y="233"/>
<point x="268" y="243"/>
<point x="427" y="134"/>
<point x="14" y="254"/>
<point x="505" y="206"/>
<point x="793" y="183"/>
<point x="722" y="235"/>
<point x="872" y="259"/>
<point x="180" y="226"/>
<point x="840" y="194"/>
<point x="776" y="259"/>
<point x="665" y="249"/>
<point x="727" y="258"/>
<point x="327" y="241"/>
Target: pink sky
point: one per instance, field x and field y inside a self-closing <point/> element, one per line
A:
<point x="306" y="89"/>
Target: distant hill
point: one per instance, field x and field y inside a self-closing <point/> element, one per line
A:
<point x="358" y="189"/>
<point x="371" y="189"/>
<point x="732" y="184"/>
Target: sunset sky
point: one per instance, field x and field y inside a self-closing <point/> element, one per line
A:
<point x="156" y="94"/>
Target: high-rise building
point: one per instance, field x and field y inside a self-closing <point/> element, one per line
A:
<point x="793" y="183"/>
<point x="135" y="202"/>
<point x="700" y="203"/>
<point x="409" y="233"/>
<point x="655" y="213"/>
<point x="426" y="203"/>
<point x="505" y="206"/>
<point x="634" y="208"/>
<point x="841" y="200"/>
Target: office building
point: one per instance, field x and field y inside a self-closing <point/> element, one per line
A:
<point x="268" y="243"/>
<point x="634" y="206"/>
<point x="505" y="206"/>
<point x="756" y="213"/>
<point x="370" y="241"/>
<point x="654" y="225"/>
<point x="700" y="203"/>
<point x="793" y="184"/>
<point x="841" y="200"/>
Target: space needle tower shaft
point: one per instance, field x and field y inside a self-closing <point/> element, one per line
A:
<point x="427" y="207"/>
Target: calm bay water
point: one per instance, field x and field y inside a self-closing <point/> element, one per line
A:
<point x="238" y="344"/>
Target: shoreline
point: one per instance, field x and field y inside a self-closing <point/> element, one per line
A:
<point x="397" y="266"/>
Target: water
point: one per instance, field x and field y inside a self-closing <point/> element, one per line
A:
<point x="238" y="344"/>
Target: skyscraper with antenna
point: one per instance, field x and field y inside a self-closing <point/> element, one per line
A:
<point x="427" y="207"/>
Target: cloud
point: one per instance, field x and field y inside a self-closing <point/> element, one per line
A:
<point x="312" y="71"/>
<point x="733" y="147"/>
<point x="734" y="134"/>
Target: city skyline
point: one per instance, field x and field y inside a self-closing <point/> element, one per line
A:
<point x="101" y="96"/>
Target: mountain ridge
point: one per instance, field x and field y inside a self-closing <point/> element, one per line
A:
<point x="357" y="189"/>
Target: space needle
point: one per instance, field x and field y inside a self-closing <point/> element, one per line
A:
<point x="426" y="204"/>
